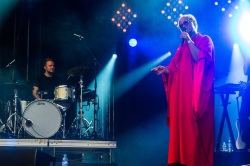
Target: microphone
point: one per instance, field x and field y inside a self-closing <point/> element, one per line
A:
<point x="8" y="65"/>
<point x="80" y="36"/>
<point x="183" y="30"/>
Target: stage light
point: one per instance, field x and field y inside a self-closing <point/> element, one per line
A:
<point x="132" y="42"/>
<point x="227" y="7"/>
<point x="236" y="45"/>
<point x="6" y="7"/>
<point x="174" y="9"/>
<point x="104" y="83"/>
<point x="244" y="26"/>
<point x="123" y="17"/>
<point x="114" y="56"/>
<point x="239" y="27"/>
<point x="127" y="81"/>
<point x="236" y="68"/>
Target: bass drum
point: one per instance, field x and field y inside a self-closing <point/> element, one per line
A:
<point x="42" y="119"/>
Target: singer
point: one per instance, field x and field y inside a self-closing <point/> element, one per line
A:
<point x="188" y="83"/>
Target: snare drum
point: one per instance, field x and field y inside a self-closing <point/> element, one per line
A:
<point x="42" y="119"/>
<point x="63" y="92"/>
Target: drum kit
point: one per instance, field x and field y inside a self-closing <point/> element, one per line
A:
<point x="45" y="118"/>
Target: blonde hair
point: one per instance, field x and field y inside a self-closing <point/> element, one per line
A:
<point x="190" y="17"/>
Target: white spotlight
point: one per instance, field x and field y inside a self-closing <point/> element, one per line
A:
<point x="236" y="45"/>
<point x="244" y="26"/>
<point x="132" y="42"/>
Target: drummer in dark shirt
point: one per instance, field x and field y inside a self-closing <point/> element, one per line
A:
<point x="46" y="82"/>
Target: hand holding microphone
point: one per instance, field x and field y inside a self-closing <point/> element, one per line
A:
<point x="184" y="35"/>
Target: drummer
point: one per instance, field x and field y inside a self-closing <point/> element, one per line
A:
<point x="46" y="82"/>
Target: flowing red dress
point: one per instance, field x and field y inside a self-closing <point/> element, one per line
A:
<point x="190" y="98"/>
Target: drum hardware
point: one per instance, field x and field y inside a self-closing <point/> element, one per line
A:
<point x="12" y="121"/>
<point x="64" y="115"/>
<point x="82" y="122"/>
<point x="41" y="93"/>
<point x="96" y="105"/>
<point x="75" y="126"/>
<point x="63" y="129"/>
<point x="15" y="110"/>
<point x="17" y="124"/>
<point x="2" y="127"/>
<point x="81" y="111"/>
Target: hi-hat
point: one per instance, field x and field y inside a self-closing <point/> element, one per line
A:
<point x="79" y="70"/>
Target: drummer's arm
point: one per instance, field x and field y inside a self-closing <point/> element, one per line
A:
<point x="34" y="92"/>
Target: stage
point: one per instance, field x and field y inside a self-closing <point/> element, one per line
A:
<point x="80" y="152"/>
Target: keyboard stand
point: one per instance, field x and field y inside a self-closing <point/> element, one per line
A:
<point x="224" y="99"/>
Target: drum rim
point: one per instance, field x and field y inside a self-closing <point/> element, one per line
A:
<point x="64" y="86"/>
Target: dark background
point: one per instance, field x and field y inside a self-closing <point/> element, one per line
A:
<point x="31" y="30"/>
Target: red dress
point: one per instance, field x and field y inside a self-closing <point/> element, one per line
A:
<point x="190" y="97"/>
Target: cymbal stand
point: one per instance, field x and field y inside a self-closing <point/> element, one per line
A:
<point x="10" y="120"/>
<point x="96" y="105"/>
<point x="8" y="110"/>
<point x="80" y="106"/>
<point x="15" y="110"/>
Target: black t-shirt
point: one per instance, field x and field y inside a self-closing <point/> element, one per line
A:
<point x="47" y="84"/>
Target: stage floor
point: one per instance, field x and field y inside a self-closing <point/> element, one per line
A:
<point x="57" y="143"/>
<point x="79" y="151"/>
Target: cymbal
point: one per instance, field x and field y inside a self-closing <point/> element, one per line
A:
<point x="16" y="85"/>
<point x="79" y="70"/>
